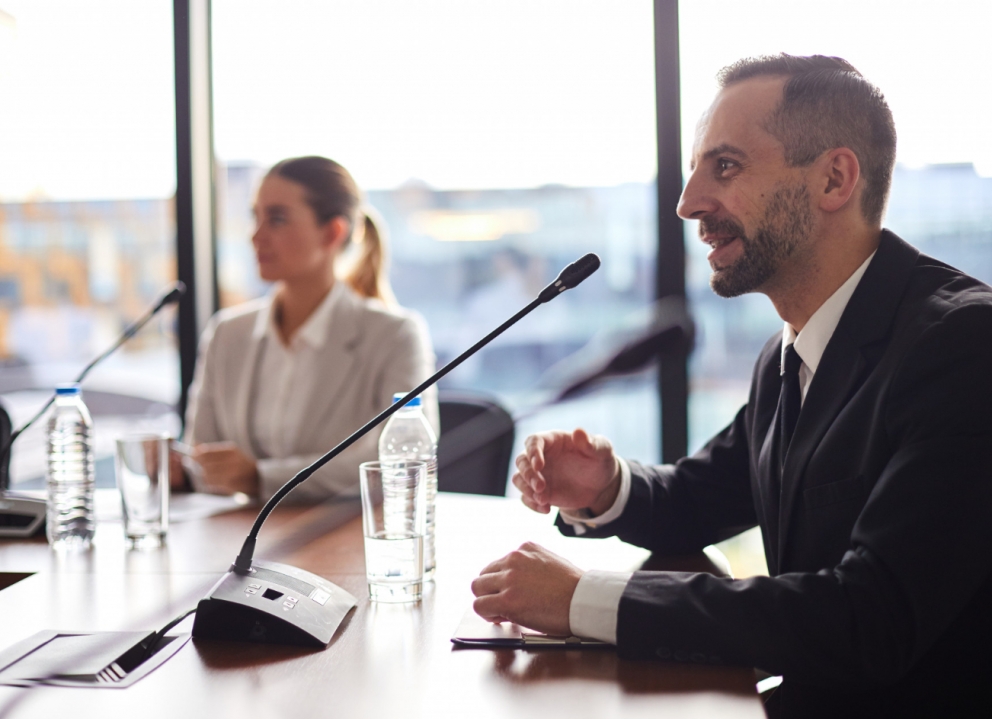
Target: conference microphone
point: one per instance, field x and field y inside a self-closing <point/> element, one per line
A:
<point x="22" y="516"/>
<point x="279" y="604"/>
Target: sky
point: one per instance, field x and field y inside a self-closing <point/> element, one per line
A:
<point x="458" y="94"/>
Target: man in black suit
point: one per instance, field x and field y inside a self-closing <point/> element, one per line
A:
<point x="864" y="452"/>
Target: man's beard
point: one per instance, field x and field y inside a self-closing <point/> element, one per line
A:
<point x="786" y="226"/>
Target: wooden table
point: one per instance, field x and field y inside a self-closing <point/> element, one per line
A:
<point x="386" y="660"/>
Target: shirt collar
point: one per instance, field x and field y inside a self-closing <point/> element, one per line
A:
<point x="313" y="332"/>
<point x="812" y="341"/>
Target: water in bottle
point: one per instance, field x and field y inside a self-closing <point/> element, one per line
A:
<point x="408" y="435"/>
<point x="70" y="521"/>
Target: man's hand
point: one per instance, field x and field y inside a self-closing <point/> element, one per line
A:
<point x="531" y="587"/>
<point x="570" y="470"/>
<point x="226" y="469"/>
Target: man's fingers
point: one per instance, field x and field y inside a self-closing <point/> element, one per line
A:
<point x="539" y="507"/>
<point x="592" y="444"/>
<point x="535" y="451"/>
<point x="487" y="583"/>
<point x="530" y="477"/>
<point x="493" y="567"/>
<point x="490" y="607"/>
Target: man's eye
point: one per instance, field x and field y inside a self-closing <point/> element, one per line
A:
<point x="724" y="165"/>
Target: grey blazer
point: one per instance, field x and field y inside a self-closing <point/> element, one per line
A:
<point x="370" y="353"/>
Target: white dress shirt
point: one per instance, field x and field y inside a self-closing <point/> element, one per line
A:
<point x="280" y="404"/>
<point x="596" y="601"/>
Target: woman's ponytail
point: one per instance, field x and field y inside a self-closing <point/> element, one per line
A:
<point x="332" y="192"/>
<point x="368" y="276"/>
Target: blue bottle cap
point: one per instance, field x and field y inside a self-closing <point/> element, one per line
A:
<point x="415" y="402"/>
<point x="67" y="390"/>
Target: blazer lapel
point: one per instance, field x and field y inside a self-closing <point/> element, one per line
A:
<point x="867" y="318"/>
<point x="336" y="361"/>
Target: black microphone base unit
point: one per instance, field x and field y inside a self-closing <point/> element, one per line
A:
<point x="20" y="515"/>
<point x="273" y="604"/>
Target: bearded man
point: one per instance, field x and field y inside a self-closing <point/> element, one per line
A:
<point x="864" y="452"/>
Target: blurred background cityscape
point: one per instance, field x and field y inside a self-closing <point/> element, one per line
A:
<point x="73" y="273"/>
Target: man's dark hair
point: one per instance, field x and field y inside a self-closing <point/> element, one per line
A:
<point x="827" y="103"/>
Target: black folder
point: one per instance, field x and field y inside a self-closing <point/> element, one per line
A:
<point x="476" y="632"/>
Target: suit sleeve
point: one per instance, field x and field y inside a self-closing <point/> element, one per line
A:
<point x="916" y="556"/>
<point x="410" y="361"/>
<point x="201" y="412"/>
<point x="337" y="477"/>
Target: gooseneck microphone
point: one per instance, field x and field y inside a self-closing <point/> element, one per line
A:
<point x="233" y="611"/>
<point x="27" y="520"/>
<point x="569" y="277"/>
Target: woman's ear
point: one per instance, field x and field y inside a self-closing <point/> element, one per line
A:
<point x="337" y="230"/>
<point x="839" y="173"/>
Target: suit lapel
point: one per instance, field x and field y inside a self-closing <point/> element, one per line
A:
<point x="867" y="318"/>
<point x="839" y="375"/>
<point x="336" y="361"/>
<point x="764" y="447"/>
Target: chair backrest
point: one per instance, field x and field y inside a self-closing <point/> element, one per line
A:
<point x="6" y="430"/>
<point x="476" y="444"/>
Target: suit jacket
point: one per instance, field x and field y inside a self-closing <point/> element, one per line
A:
<point x="879" y="544"/>
<point x="370" y="353"/>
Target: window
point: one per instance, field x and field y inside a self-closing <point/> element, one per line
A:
<point x="86" y="218"/>
<point x="499" y="140"/>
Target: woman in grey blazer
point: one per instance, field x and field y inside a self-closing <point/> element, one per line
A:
<point x="282" y="379"/>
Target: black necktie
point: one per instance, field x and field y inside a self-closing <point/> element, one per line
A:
<point x="790" y="401"/>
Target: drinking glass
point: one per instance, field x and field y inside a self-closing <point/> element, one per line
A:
<point x="394" y="520"/>
<point x="142" y="470"/>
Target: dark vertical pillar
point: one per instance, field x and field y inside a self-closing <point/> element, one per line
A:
<point x="195" y="226"/>
<point x="673" y="384"/>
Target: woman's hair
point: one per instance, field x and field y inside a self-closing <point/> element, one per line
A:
<point x="332" y="192"/>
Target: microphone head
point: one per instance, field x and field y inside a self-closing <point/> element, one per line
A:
<point x="571" y="276"/>
<point x="173" y="295"/>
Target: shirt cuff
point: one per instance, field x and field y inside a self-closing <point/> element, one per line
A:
<point x="595" y="604"/>
<point x="581" y="523"/>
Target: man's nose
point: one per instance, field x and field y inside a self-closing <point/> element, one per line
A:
<point x="696" y="200"/>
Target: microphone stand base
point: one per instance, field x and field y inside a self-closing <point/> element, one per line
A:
<point x="273" y="604"/>
<point x="21" y="515"/>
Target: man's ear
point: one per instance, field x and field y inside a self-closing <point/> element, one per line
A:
<point x="838" y="173"/>
<point x="336" y="232"/>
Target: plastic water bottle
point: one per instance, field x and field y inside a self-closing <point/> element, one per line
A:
<point x="409" y="436"/>
<point x="70" y="521"/>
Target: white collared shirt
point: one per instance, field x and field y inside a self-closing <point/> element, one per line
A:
<point x="281" y="400"/>
<point x="596" y="600"/>
<point x="811" y="342"/>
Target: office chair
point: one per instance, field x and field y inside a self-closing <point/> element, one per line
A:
<point x="468" y="420"/>
<point x="5" y="431"/>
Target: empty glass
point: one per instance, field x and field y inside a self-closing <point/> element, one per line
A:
<point x="142" y="470"/>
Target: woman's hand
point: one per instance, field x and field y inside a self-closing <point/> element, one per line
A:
<point x="226" y="469"/>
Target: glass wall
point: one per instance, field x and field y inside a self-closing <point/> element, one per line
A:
<point x="87" y="240"/>
<point x="499" y="140"/>
<point x="930" y="60"/>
